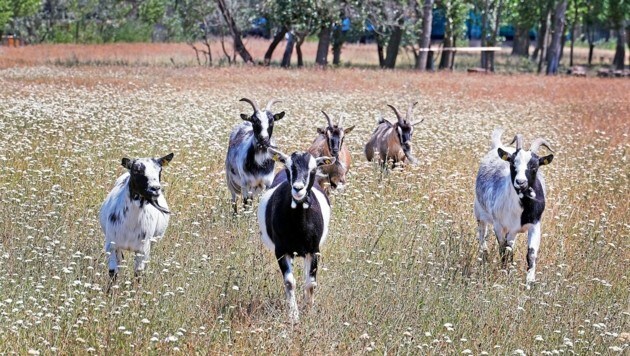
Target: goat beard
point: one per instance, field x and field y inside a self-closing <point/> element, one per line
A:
<point x="409" y="156"/>
<point x="158" y="207"/>
<point x="527" y="193"/>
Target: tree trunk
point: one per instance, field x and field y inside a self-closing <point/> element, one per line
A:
<point x="277" y="38"/>
<point x="484" y="34"/>
<point x="337" y="43"/>
<point x="620" y="50"/>
<point x="288" y="50"/>
<point x="322" y="47"/>
<point x="558" y="29"/>
<point x="591" y="44"/>
<point x="425" y="39"/>
<point x="236" y="33"/>
<point x="542" y="32"/>
<point x="543" y="41"/>
<point x="572" y="43"/>
<point x="298" y="49"/>
<point x="393" y="45"/>
<point x="520" y="46"/>
<point x="445" y="59"/>
<point x="563" y="43"/>
<point x="379" y="50"/>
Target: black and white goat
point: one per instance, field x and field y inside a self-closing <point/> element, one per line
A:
<point x="135" y="212"/>
<point x="510" y="196"/>
<point x="293" y="217"/>
<point x="392" y="141"/>
<point x="249" y="168"/>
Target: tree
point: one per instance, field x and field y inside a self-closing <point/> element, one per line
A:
<point x="239" y="47"/>
<point x="617" y="13"/>
<point x="425" y="38"/>
<point x="392" y="21"/>
<point x="11" y="10"/>
<point x="455" y="12"/>
<point x="523" y="15"/>
<point x="576" y="12"/>
<point x="556" y="37"/>
<point x="491" y="12"/>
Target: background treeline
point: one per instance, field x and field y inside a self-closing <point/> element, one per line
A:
<point x="546" y="25"/>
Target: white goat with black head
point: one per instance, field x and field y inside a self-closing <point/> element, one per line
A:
<point x="510" y="196"/>
<point x="293" y="217"/>
<point x="249" y="167"/>
<point x="393" y="141"/>
<point x="330" y="142"/>
<point x="135" y="212"/>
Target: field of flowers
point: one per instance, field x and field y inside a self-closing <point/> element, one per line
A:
<point x="401" y="271"/>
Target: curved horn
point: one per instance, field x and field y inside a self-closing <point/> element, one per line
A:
<point x="330" y="124"/>
<point x="519" y="141"/>
<point x="539" y="142"/>
<point x="252" y="103"/>
<point x="410" y="110"/>
<point x="270" y="104"/>
<point x="396" y="112"/>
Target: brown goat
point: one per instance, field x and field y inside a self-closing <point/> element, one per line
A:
<point x="392" y="141"/>
<point x="329" y="143"/>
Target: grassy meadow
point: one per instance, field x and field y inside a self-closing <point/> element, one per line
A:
<point x="400" y="271"/>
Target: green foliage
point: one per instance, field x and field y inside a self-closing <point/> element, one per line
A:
<point x="151" y="11"/>
<point x="5" y="13"/>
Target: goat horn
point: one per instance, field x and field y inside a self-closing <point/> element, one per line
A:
<point x="417" y="122"/>
<point x="252" y="103"/>
<point x="270" y="103"/>
<point x="519" y="141"/>
<point x="539" y="142"/>
<point x="400" y="119"/>
<point x="328" y="118"/>
<point x="410" y="110"/>
<point x="340" y="122"/>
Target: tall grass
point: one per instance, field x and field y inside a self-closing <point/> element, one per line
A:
<point x="400" y="271"/>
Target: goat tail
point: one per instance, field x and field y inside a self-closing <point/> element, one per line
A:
<point x="496" y="137"/>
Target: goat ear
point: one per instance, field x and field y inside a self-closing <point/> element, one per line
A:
<point x="127" y="162"/>
<point x="504" y="155"/>
<point x="348" y="130"/>
<point x="245" y="117"/>
<point x="277" y="155"/>
<point x="321" y="131"/>
<point x="322" y="161"/>
<point x="164" y="161"/>
<point x="278" y="116"/>
<point x="543" y="161"/>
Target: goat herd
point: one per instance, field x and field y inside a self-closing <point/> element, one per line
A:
<point x="294" y="210"/>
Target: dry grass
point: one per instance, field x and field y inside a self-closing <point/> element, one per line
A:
<point x="400" y="270"/>
<point x="179" y="54"/>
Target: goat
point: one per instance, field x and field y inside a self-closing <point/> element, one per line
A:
<point x="249" y="168"/>
<point x="329" y="142"/>
<point x="135" y="212"/>
<point x="392" y="141"/>
<point x="510" y="195"/>
<point x="293" y="218"/>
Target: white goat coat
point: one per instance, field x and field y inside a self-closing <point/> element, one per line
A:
<point x="136" y="226"/>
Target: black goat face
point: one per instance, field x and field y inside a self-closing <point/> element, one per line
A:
<point x="145" y="176"/>
<point x="301" y="168"/>
<point x="262" y="124"/>
<point x="523" y="168"/>
<point x="405" y="131"/>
